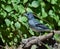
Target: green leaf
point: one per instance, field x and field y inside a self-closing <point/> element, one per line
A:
<point x="23" y="19"/>
<point x="14" y="16"/>
<point x="3" y="0"/>
<point x="41" y="21"/>
<point x="49" y="26"/>
<point x="15" y="39"/>
<point x="1" y="37"/>
<point x="21" y="9"/>
<point x="9" y="1"/>
<point x="48" y="0"/>
<point x="15" y="6"/>
<point x="31" y="32"/>
<point x="57" y="37"/>
<point x="44" y="14"/>
<point x="8" y="8"/>
<point x="25" y="1"/>
<point x="56" y="18"/>
<point x="51" y="12"/>
<point x="17" y="25"/>
<point x="10" y="35"/>
<point x="33" y="47"/>
<point x="25" y="35"/>
<point x="2" y="26"/>
<point x="35" y="4"/>
<point x="3" y="13"/>
<point x="12" y="26"/>
<point x="53" y="1"/>
<point x="8" y="22"/>
<point x="59" y="23"/>
<point x="11" y="43"/>
<point x="42" y="4"/>
<point x="29" y="10"/>
<point x="47" y="46"/>
<point x="15" y="1"/>
<point x="3" y="6"/>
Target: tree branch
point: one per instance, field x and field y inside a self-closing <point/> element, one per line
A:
<point x="33" y="40"/>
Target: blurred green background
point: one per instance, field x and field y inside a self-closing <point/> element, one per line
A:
<point x="14" y="26"/>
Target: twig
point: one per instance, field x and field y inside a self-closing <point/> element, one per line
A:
<point x="40" y="38"/>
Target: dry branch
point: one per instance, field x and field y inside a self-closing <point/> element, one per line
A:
<point x="40" y="38"/>
<point x="32" y="40"/>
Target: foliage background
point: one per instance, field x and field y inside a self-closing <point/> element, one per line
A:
<point x="14" y="26"/>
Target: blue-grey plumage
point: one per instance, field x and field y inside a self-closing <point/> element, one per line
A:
<point x="34" y="24"/>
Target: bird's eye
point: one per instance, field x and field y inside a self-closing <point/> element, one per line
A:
<point x="27" y="14"/>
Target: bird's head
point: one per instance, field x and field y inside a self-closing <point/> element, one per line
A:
<point x="29" y="15"/>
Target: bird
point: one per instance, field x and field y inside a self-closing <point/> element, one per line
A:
<point x="34" y="24"/>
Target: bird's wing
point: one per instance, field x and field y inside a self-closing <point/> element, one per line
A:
<point x="37" y="24"/>
<point x="41" y="26"/>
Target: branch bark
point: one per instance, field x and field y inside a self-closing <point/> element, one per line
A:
<point x="32" y="40"/>
<point x="40" y="38"/>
